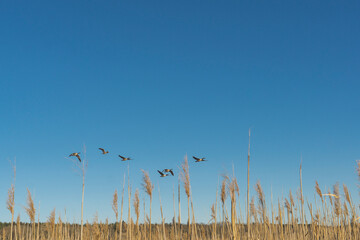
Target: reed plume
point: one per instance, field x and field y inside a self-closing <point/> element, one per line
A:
<point x="223" y="190"/>
<point x="347" y="194"/>
<point x="213" y="213"/>
<point x="115" y="205"/>
<point x="248" y="193"/>
<point x="233" y="189"/>
<point x="348" y="199"/>
<point x="10" y="204"/>
<point x="136" y="203"/>
<point x="18" y="226"/>
<point x="261" y="200"/>
<point x="51" y="224"/>
<point x="337" y="202"/>
<point x="116" y="210"/>
<point x="30" y="211"/>
<point x="223" y="197"/>
<point x="185" y="177"/>
<point x="288" y="206"/>
<point x="253" y="211"/>
<point x="148" y="187"/>
<point x="318" y="190"/>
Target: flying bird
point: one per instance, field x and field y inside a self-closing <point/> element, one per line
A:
<point x="125" y="158"/>
<point x="103" y="151"/>
<point x="162" y="174"/>
<point x="76" y="155"/>
<point x="199" y="159"/>
<point x="168" y="171"/>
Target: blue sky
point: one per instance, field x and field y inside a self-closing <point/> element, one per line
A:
<point x="158" y="80"/>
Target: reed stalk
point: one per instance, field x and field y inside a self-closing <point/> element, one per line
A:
<point x="148" y="187"/>
<point x="116" y="211"/>
<point x="185" y="177"/>
<point x="121" y="210"/>
<point x="136" y="204"/>
<point x="31" y="211"/>
<point x="248" y="194"/>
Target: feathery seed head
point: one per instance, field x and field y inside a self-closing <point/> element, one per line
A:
<point x="318" y="190"/>
<point x="10" y="203"/>
<point x="223" y="189"/>
<point x="30" y="209"/>
<point x="260" y="193"/>
<point x="115" y="204"/>
<point x="136" y="203"/>
<point x="148" y="186"/>
<point x="337" y="204"/>
<point x="347" y="194"/>
<point x="185" y="176"/>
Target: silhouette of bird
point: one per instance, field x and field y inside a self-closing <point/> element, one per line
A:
<point x="162" y="174"/>
<point x="168" y="171"/>
<point x="76" y="155"/>
<point x="125" y="158"/>
<point x="103" y="151"/>
<point x="199" y="159"/>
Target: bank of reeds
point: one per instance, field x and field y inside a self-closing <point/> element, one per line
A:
<point x="330" y="214"/>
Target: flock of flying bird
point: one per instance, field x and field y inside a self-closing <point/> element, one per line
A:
<point x="162" y="173"/>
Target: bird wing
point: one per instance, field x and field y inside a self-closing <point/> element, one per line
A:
<point x="195" y="158"/>
<point x="102" y="150"/>
<point x="73" y="154"/>
<point x="171" y="172"/>
<point x="121" y="157"/>
<point x="160" y="172"/>
<point x="78" y="157"/>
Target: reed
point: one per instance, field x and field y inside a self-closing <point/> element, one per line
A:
<point x="129" y="223"/>
<point x="51" y="225"/>
<point x="185" y="177"/>
<point x="223" y="200"/>
<point x="330" y="215"/>
<point x="31" y="211"/>
<point x="233" y="190"/>
<point x="10" y="204"/>
<point x="248" y="193"/>
<point x="148" y="187"/>
<point x="136" y="204"/>
<point x="116" y="211"/>
<point x="121" y="210"/>
<point x="162" y="218"/>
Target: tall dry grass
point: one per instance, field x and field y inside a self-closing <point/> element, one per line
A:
<point x="31" y="211"/>
<point x="10" y="203"/>
<point x="148" y="187"/>
<point x="330" y="214"/>
<point x="116" y="211"/>
<point x="185" y="177"/>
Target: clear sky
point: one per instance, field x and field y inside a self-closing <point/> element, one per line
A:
<point x="156" y="80"/>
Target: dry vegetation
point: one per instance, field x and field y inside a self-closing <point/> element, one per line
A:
<point x="330" y="215"/>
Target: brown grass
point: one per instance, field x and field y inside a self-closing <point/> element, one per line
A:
<point x="148" y="187"/>
<point x="336" y="216"/>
